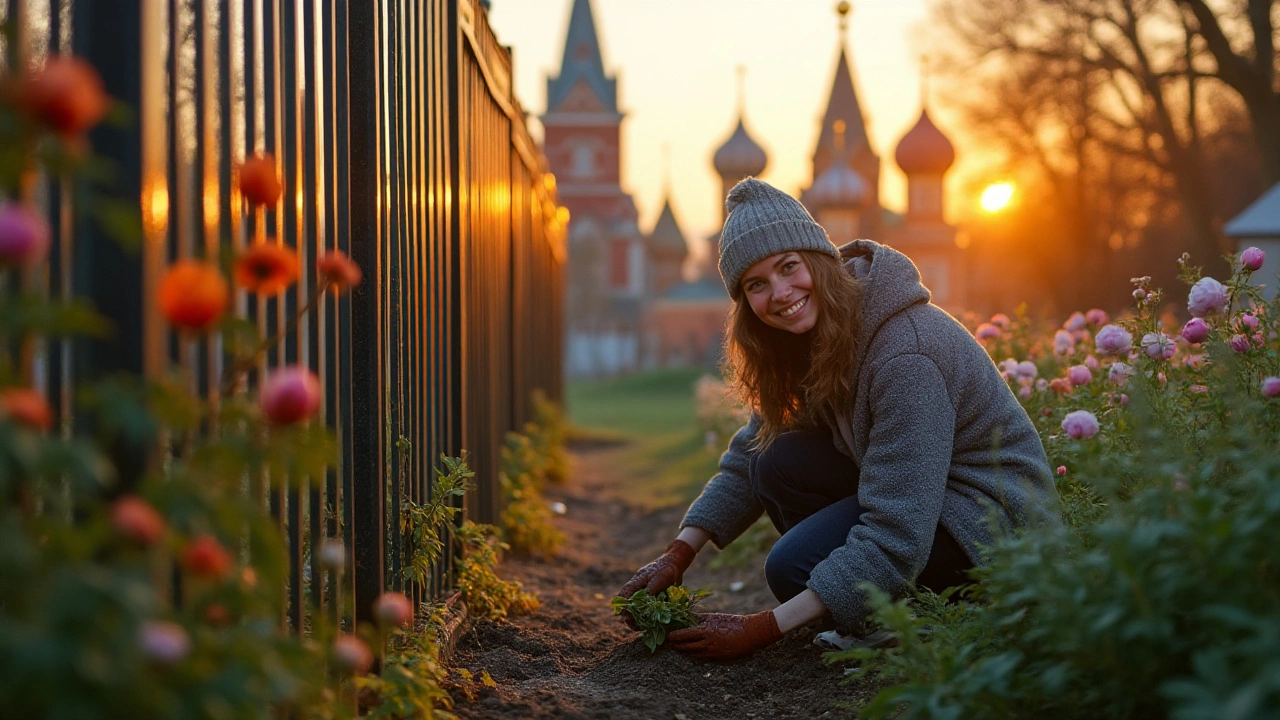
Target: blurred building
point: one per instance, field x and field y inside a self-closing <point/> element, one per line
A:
<point x="629" y="303"/>
<point x="1259" y="226"/>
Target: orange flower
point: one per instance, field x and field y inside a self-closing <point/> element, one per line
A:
<point x="67" y="95"/>
<point x="26" y="407"/>
<point x="341" y="272"/>
<point x="193" y="294"/>
<point x="258" y="181"/>
<point x="267" y="268"/>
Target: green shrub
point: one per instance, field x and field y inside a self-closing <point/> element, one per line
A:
<point x="1160" y="595"/>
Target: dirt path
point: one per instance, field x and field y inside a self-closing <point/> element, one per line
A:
<point x="573" y="659"/>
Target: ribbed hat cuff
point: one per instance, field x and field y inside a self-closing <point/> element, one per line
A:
<point x="769" y="239"/>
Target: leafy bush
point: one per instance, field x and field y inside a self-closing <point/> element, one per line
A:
<point x="1160" y="595"/>
<point x="487" y="596"/>
<point x="657" y="615"/>
<point x="528" y="461"/>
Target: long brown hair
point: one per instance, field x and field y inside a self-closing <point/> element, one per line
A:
<point x="793" y="381"/>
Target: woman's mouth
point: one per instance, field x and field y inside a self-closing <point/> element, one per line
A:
<point x="795" y="307"/>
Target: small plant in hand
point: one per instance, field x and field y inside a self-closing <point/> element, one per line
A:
<point x="657" y="615"/>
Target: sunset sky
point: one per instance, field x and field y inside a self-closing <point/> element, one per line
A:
<point x="675" y="61"/>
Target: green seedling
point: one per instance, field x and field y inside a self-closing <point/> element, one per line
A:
<point x="656" y="615"/>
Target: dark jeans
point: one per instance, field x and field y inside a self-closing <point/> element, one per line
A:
<point x="810" y="491"/>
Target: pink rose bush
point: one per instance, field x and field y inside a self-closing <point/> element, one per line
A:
<point x="1252" y="258"/>
<point x="1195" y="331"/>
<point x="1159" y="346"/>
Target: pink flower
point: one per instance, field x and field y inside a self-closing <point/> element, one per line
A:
<point x="1139" y="294"/>
<point x="987" y="331"/>
<point x="1124" y="399"/>
<point x="135" y="519"/>
<point x="1113" y="340"/>
<point x="1024" y="392"/>
<point x="1239" y="343"/>
<point x="1158" y="346"/>
<point x="352" y="654"/>
<point x="290" y="395"/>
<point x="1259" y="340"/>
<point x="1008" y="365"/>
<point x="1160" y="377"/>
<point x="1194" y="361"/>
<point x="1041" y="384"/>
<point x="1198" y="389"/>
<point x="1000" y="320"/>
<point x="1252" y="258"/>
<point x="1062" y="470"/>
<point x="393" y="608"/>
<point x="1080" y="424"/>
<point x="1026" y="369"/>
<point x="1075" y="322"/>
<point x="1091" y="362"/>
<point x="1271" y="387"/>
<point x="24" y="236"/>
<point x="1096" y="317"/>
<point x="1079" y="375"/>
<point x="1195" y="331"/>
<point x="163" y="641"/>
<point x="1248" y="321"/>
<point x="1207" y="297"/>
<point x="1063" y="343"/>
<point x="1119" y="373"/>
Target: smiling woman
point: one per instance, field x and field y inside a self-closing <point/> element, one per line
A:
<point x="882" y="439"/>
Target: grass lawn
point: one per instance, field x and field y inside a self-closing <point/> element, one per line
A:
<point x="666" y="460"/>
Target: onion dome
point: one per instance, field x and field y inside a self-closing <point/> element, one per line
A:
<point x="924" y="150"/>
<point x="839" y="186"/>
<point x="740" y="156"/>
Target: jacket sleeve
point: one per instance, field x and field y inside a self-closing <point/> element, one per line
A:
<point x="902" y="480"/>
<point x="728" y="505"/>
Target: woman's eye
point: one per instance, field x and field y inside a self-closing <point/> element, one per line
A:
<point x="789" y="266"/>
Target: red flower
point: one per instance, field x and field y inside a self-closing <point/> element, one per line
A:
<point x="67" y="95"/>
<point x="193" y="295"/>
<point x="258" y="180"/>
<point x="267" y="268"/>
<point x="217" y="614"/>
<point x="26" y="407"/>
<point x="205" y="557"/>
<point x="341" y="272"/>
<point x="135" y="519"/>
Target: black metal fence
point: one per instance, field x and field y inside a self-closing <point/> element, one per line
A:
<point x="399" y="141"/>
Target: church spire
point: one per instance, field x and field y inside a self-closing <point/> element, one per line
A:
<point x="842" y="105"/>
<point x="582" y="65"/>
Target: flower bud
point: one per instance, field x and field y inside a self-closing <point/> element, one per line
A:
<point x="1239" y="343"/>
<point x="205" y="557"/>
<point x="393" y="608"/>
<point x="24" y="236"/>
<point x="290" y="395"/>
<point x="1252" y="258"/>
<point x="135" y="519"/>
<point x="1195" y="331"/>
<point x="352" y="654"/>
<point x="1062" y="470"/>
<point x="1097" y="317"/>
<point x="1271" y="387"/>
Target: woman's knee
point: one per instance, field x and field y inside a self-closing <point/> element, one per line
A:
<point x="784" y="570"/>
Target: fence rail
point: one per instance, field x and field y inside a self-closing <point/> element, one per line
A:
<point x="398" y="141"/>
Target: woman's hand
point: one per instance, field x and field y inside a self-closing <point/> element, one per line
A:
<point x="659" y="575"/>
<point x="720" y="636"/>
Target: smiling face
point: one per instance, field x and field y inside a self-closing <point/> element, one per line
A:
<point x="779" y="290"/>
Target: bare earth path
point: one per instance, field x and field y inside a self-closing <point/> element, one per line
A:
<point x="573" y="659"/>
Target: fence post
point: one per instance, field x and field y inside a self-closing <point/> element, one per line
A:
<point x="368" y="497"/>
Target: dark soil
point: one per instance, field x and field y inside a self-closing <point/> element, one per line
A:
<point x="574" y="659"/>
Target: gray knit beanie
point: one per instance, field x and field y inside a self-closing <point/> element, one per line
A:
<point x="764" y="221"/>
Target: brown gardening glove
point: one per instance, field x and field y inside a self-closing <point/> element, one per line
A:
<point x="659" y="575"/>
<point x="720" y="636"/>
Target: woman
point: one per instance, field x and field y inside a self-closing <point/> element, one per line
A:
<point x="883" y="443"/>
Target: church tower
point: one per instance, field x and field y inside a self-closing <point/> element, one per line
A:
<point x="607" y="260"/>
<point x="843" y="137"/>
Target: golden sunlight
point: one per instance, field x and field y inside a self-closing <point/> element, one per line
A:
<point x="997" y="196"/>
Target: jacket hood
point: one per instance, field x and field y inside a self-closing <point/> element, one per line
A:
<point x="891" y="283"/>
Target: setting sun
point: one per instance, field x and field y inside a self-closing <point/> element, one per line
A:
<point x="997" y="196"/>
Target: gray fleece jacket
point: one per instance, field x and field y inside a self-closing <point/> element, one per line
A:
<point x="937" y="436"/>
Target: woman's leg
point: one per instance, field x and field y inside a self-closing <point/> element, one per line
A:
<point x="802" y="547"/>
<point x="800" y="474"/>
